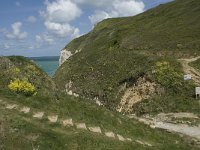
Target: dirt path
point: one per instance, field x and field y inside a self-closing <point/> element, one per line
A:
<point x="195" y="74"/>
<point x="179" y="128"/>
<point x="163" y="121"/>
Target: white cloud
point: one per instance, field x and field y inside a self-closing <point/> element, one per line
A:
<point x="6" y="46"/>
<point x="45" y="38"/>
<point x="31" y="19"/>
<point x="98" y="16"/>
<point x="118" y="9"/>
<point x="61" y="11"/>
<point x="76" y="33"/>
<point x="61" y="30"/>
<point x="95" y="3"/>
<point x="16" y="32"/>
<point x="58" y="15"/>
<point x="38" y="38"/>
<point x="128" y="8"/>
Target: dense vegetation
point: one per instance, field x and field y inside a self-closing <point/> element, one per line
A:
<point x="116" y="53"/>
<point x="19" y="131"/>
<point x="120" y="50"/>
<point x="29" y="75"/>
<point x="196" y="64"/>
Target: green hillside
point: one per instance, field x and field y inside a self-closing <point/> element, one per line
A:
<point x="169" y="27"/>
<point x="134" y="65"/>
<point x="15" y="68"/>
<point x="120" y="51"/>
<point x="21" y="129"/>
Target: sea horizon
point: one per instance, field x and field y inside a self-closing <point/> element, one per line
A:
<point x="47" y="63"/>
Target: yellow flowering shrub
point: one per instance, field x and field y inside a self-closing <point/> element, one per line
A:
<point x="22" y="87"/>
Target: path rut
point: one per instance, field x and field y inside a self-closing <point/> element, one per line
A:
<point x="195" y="74"/>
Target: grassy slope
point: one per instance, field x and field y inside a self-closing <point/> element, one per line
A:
<point x="18" y="131"/>
<point x="172" y="26"/>
<point x="122" y="49"/>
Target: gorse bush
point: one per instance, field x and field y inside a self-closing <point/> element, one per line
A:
<point x="167" y="76"/>
<point x="22" y="87"/>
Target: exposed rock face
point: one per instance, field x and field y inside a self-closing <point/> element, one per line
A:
<point x="143" y="89"/>
<point x="64" y="55"/>
<point x="69" y="91"/>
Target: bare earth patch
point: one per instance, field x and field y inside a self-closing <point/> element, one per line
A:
<point x="195" y="74"/>
<point x="110" y="134"/>
<point x="53" y="119"/>
<point x="81" y="126"/>
<point x="143" y="89"/>
<point x="11" y="106"/>
<point x="121" y="138"/>
<point x="67" y="122"/>
<point x="160" y="121"/>
<point x="25" y="110"/>
<point x="128" y="139"/>
<point x="38" y="115"/>
<point x="143" y="143"/>
<point x="95" y="129"/>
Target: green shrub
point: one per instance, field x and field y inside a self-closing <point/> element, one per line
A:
<point x="167" y="76"/>
<point x="15" y="70"/>
<point x="22" y="87"/>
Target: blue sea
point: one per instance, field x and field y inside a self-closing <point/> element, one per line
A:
<point x="48" y="64"/>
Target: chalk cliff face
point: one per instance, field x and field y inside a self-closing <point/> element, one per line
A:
<point x="64" y="55"/>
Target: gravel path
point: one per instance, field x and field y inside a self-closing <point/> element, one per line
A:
<point x="160" y="121"/>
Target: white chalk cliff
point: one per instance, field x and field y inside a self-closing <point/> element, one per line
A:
<point x="64" y="55"/>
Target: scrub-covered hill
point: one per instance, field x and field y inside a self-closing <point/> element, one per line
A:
<point x="40" y="121"/>
<point x="130" y="64"/>
<point x="20" y="77"/>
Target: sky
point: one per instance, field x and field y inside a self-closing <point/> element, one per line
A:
<point x="43" y="27"/>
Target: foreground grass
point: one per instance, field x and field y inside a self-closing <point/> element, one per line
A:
<point x="19" y="133"/>
<point x="21" y="130"/>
